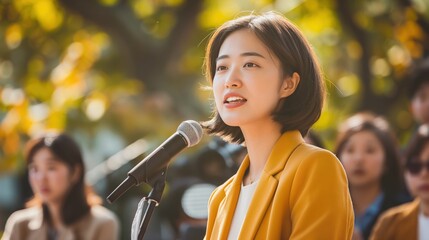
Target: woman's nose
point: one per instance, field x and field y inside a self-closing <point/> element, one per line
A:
<point x="358" y="157"/>
<point x="40" y="176"/>
<point x="233" y="79"/>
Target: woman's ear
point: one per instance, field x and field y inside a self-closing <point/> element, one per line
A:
<point x="75" y="174"/>
<point x="289" y="85"/>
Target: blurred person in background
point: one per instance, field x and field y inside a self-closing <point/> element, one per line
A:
<point x="411" y="220"/>
<point x="419" y="93"/>
<point x="200" y="174"/>
<point x="370" y="155"/>
<point x="63" y="207"/>
<point x="217" y="162"/>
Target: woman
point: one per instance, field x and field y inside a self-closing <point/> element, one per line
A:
<point x="61" y="208"/>
<point x="369" y="153"/>
<point x="268" y="91"/>
<point x="411" y="220"/>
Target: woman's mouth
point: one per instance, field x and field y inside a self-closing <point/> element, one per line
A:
<point x="424" y="187"/>
<point x="44" y="190"/>
<point x="234" y="99"/>
<point x="359" y="172"/>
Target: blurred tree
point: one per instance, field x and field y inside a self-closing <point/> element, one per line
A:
<point x="384" y="38"/>
<point x="132" y="68"/>
<point x="84" y="65"/>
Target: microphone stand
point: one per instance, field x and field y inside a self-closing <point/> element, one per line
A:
<point x="152" y="200"/>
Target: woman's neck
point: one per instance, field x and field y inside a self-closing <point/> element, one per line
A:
<point x="363" y="197"/>
<point x="259" y="143"/>
<point x="424" y="207"/>
<point x="55" y="214"/>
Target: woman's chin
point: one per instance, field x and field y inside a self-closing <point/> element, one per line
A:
<point x="231" y="122"/>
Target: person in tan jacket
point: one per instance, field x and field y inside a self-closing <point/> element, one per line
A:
<point x="268" y="91"/>
<point x="411" y="220"/>
<point x="63" y="208"/>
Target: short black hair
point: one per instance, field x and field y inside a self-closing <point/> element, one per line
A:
<point x="417" y="77"/>
<point x="417" y="144"/>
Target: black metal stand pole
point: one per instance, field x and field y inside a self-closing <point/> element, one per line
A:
<point x="152" y="201"/>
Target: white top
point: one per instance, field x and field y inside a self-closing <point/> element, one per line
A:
<point x="246" y="195"/>
<point x="423" y="227"/>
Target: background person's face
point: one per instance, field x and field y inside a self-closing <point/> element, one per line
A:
<point x="420" y="104"/>
<point x="49" y="178"/>
<point x="363" y="159"/>
<point x="418" y="184"/>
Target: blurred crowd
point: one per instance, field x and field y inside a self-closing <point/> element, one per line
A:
<point x="388" y="182"/>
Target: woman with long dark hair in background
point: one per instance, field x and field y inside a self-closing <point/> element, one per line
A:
<point x="369" y="152"/>
<point x="63" y="207"/>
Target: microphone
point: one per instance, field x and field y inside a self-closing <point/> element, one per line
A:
<point x="188" y="134"/>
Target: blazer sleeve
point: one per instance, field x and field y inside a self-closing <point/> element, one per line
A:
<point x="321" y="206"/>
<point x="12" y="231"/>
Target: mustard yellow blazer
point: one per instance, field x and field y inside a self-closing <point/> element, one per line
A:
<point x="399" y="223"/>
<point x="302" y="193"/>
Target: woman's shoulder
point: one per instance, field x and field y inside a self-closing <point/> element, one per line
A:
<point x="402" y="211"/>
<point x="98" y="216"/>
<point x="25" y="215"/>
<point x="21" y="221"/>
<point x="100" y="223"/>
<point x="309" y="155"/>
<point x="101" y="213"/>
<point x="400" y="221"/>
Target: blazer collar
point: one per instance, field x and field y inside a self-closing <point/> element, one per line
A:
<point x="265" y="190"/>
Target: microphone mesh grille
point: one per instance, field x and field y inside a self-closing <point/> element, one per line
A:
<point x="192" y="131"/>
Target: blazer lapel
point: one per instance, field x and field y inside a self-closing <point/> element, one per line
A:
<point x="264" y="194"/>
<point x="232" y="192"/>
<point x="267" y="184"/>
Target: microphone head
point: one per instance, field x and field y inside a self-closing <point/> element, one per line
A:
<point x="191" y="131"/>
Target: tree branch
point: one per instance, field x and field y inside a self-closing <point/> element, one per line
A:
<point x="370" y="101"/>
<point x="186" y="23"/>
<point x="119" y="22"/>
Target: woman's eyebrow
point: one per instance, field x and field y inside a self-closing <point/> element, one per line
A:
<point x="243" y="54"/>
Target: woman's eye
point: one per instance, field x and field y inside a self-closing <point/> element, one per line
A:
<point x="370" y="150"/>
<point x="349" y="150"/>
<point x="220" y="68"/>
<point x="52" y="168"/>
<point x="32" y="169"/>
<point x="250" y="65"/>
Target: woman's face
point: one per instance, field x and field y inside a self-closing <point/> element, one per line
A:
<point x="418" y="180"/>
<point x="248" y="82"/>
<point x="49" y="178"/>
<point x="363" y="159"/>
<point x="420" y="104"/>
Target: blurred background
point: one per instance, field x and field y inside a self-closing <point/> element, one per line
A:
<point x="120" y="75"/>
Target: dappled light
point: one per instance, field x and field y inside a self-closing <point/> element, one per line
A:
<point x="60" y="67"/>
<point x="133" y="69"/>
